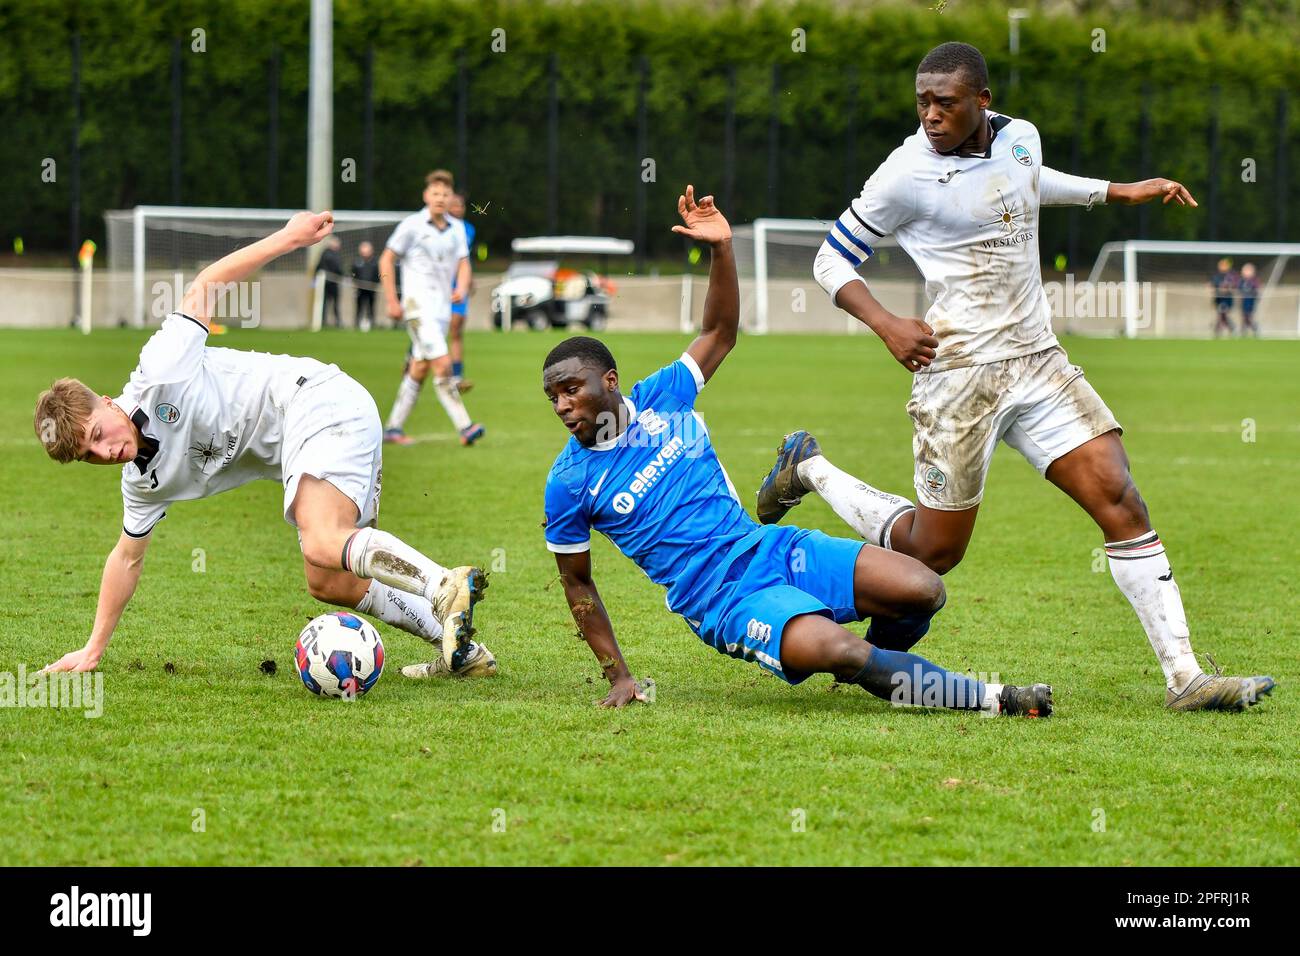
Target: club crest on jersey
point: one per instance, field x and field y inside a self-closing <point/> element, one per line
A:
<point x="935" y="479"/>
<point x="1022" y="155"/>
<point x="651" y="422"/>
<point x="167" y="413"/>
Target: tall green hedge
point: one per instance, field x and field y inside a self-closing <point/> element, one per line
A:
<point x="842" y="106"/>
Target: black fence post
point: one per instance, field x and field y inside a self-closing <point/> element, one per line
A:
<point x="1144" y="157"/>
<point x="1281" y="177"/>
<point x="729" y="146"/>
<point x="273" y="129"/>
<point x="462" y="123"/>
<point x="774" y="145"/>
<point x="176" y="121"/>
<point x="74" y="190"/>
<point x="553" y="148"/>
<point x="852" y="175"/>
<point x="74" y="186"/>
<point x="642" y="148"/>
<point x="1212" y="213"/>
<point x="1076" y="160"/>
<point x="368" y="131"/>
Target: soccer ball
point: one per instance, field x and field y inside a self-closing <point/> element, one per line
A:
<point x="339" y="655"/>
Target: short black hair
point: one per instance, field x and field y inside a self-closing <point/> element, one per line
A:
<point x="960" y="58"/>
<point x="591" y="351"/>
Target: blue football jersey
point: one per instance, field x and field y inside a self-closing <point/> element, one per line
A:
<point x="657" y="491"/>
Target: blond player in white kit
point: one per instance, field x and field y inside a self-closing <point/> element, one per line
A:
<point x="435" y="274"/>
<point x="194" y="421"/>
<point x="962" y="196"/>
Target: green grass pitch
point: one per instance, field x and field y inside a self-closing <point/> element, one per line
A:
<point x="210" y="761"/>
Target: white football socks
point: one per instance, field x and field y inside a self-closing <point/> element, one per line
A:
<point x="1142" y="571"/>
<point x="868" y="511"/>
<point x="371" y="553"/>
<point x="411" y="612"/>
<point x="449" y="395"/>
<point x="407" y="393"/>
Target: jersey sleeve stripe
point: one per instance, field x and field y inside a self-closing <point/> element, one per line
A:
<point x="689" y="361"/>
<point x="848" y="234"/>
<point x="866" y="225"/>
<point x="569" y="548"/>
<point x="839" y="247"/>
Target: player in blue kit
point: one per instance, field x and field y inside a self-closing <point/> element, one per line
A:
<point x="641" y="470"/>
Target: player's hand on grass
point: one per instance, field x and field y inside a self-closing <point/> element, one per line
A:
<point x="910" y="341"/>
<point x="85" y="659"/>
<point x="704" y="223"/>
<point x="308" y="228"/>
<point x="622" y="692"/>
<point x="1166" y="190"/>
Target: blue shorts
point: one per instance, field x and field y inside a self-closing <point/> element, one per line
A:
<point x="792" y="571"/>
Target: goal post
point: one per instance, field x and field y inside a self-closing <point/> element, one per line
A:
<point x="1167" y="292"/>
<point x="163" y="247"/>
<point x="779" y="293"/>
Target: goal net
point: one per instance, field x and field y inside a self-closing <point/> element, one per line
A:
<point x="1155" y="288"/>
<point x="778" y="293"/>
<point x="155" y="251"/>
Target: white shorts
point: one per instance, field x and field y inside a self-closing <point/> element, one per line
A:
<point x="1039" y="404"/>
<point x="428" y="332"/>
<point x="332" y="432"/>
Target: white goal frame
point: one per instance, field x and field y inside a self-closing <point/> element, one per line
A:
<point x="272" y="217"/>
<point x="761" y="229"/>
<point x="1130" y="248"/>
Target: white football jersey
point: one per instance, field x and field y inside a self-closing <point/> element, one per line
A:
<point x="971" y="225"/>
<point x="212" y="419"/>
<point x="430" y="257"/>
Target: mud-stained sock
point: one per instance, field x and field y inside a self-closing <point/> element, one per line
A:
<point x="371" y="553"/>
<point x="411" y="612"/>
<point x="449" y="396"/>
<point x="868" y="511"/>
<point x="407" y="394"/>
<point x="1142" y="572"/>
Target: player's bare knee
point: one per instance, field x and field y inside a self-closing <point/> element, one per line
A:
<point x="931" y="594"/>
<point x="322" y="548"/>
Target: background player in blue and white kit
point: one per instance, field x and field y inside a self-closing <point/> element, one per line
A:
<point x="962" y="196"/>
<point x="641" y="469"/>
<point x="435" y="275"/>
<point x="194" y="421"/>
<point x="460" y="309"/>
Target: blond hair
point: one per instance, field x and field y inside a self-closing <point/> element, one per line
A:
<point x="62" y="411"/>
<point x="440" y="176"/>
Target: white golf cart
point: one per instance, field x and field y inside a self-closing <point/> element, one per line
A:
<point x="542" y="294"/>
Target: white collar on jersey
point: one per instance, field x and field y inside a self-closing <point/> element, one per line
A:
<point x="611" y="443"/>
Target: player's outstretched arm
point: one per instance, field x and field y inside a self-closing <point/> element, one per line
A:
<point x="304" y="229"/>
<point x="121" y="575"/>
<point x="704" y="223"/>
<point x="1166" y="190"/>
<point x="594" y="626"/>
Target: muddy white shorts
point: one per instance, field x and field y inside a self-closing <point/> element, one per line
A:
<point x="332" y="432"/>
<point x="427" y="326"/>
<point x="1039" y="404"/>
